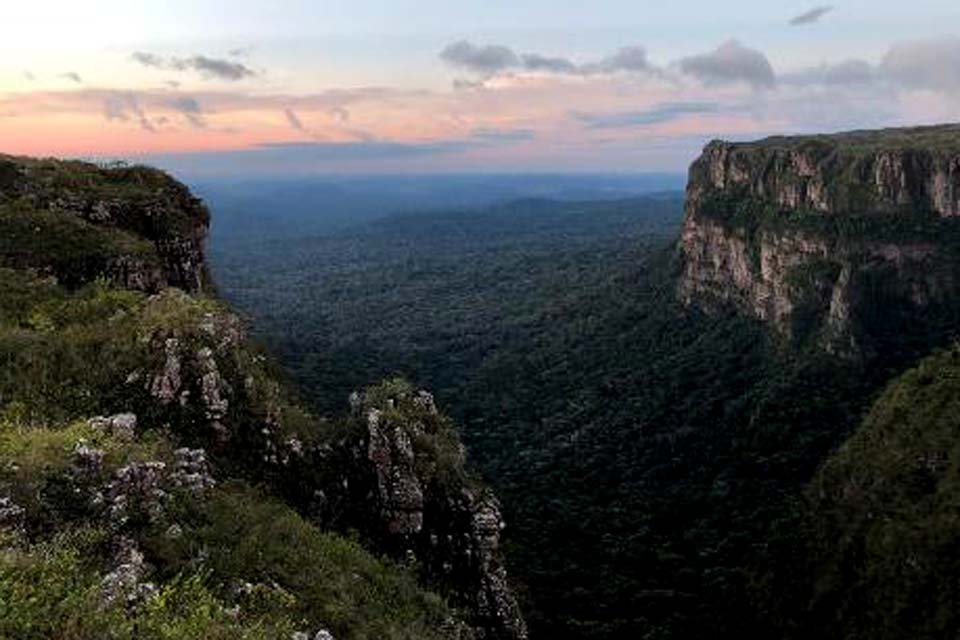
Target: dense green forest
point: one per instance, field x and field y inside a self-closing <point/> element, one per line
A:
<point x="643" y="452"/>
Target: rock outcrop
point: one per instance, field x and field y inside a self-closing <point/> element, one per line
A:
<point x="144" y="230"/>
<point x="427" y="508"/>
<point x="843" y="237"/>
<point x="181" y="365"/>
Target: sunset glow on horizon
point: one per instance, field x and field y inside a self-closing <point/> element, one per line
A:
<point x="428" y="86"/>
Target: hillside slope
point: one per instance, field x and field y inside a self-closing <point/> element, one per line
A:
<point x="878" y="530"/>
<point x="206" y="503"/>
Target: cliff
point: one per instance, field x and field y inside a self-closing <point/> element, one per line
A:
<point x="150" y="457"/>
<point x="135" y="226"/>
<point x="847" y="238"/>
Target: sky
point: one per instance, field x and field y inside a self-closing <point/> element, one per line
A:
<point x="395" y="86"/>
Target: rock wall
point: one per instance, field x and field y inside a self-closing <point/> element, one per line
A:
<point x="842" y="237"/>
<point x="905" y="171"/>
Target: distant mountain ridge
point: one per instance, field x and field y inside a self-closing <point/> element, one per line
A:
<point x="290" y="208"/>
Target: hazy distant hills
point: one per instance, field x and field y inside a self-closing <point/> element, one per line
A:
<point x="253" y="210"/>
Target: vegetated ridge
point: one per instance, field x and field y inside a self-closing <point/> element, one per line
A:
<point x="157" y="479"/>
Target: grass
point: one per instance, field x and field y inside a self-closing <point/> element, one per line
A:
<point x="939" y="138"/>
<point x="53" y="590"/>
<point x="69" y="247"/>
<point x="331" y="581"/>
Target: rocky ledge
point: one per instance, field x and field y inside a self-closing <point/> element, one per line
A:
<point x="76" y="221"/>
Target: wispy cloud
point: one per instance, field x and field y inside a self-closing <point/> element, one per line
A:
<point x="124" y="106"/>
<point x="216" y="68"/>
<point x="849" y="73"/>
<point x="489" y="60"/>
<point x="537" y="62"/>
<point x="658" y="114"/>
<point x="925" y="64"/>
<point x="191" y="110"/>
<point x="625" y="59"/>
<point x="293" y="119"/>
<point x="72" y="76"/>
<point x="149" y="59"/>
<point x="498" y="136"/>
<point x="340" y="114"/>
<point x="811" y="16"/>
<point x="485" y="59"/>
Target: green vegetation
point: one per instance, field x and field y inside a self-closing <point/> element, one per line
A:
<point x="654" y="463"/>
<point x="64" y="354"/>
<point x="871" y="550"/>
<point x="751" y="216"/>
<point x="53" y="590"/>
<point x="66" y="246"/>
<point x="297" y="576"/>
<point x="321" y="579"/>
<point x="138" y="198"/>
<point x="642" y="451"/>
<point x="938" y="138"/>
<point x="70" y="353"/>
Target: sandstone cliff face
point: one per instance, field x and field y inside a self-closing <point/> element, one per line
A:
<point x="905" y="171"/>
<point x="842" y="237"/>
<point x="131" y="204"/>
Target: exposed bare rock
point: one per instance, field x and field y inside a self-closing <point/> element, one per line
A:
<point x="122" y="426"/>
<point x="88" y="461"/>
<point x="137" y="491"/>
<point x="399" y="492"/>
<point x="814" y="235"/>
<point x="12" y="516"/>
<point x="125" y="583"/>
<point x="165" y="386"/>
<point x="427" y="507"/>
<point x="191" y="471"/>
<point x="901" y="171"/>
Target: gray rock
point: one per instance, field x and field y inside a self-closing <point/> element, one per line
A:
<point x="125" y="584"/>
<point x="191" y="471"/>
<point x="137" y="488"/>
<point x="122" y="426"/>
<point x="166" y="385"/>
<point x="87" y="460"/>
<point x="12" y="516"/>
